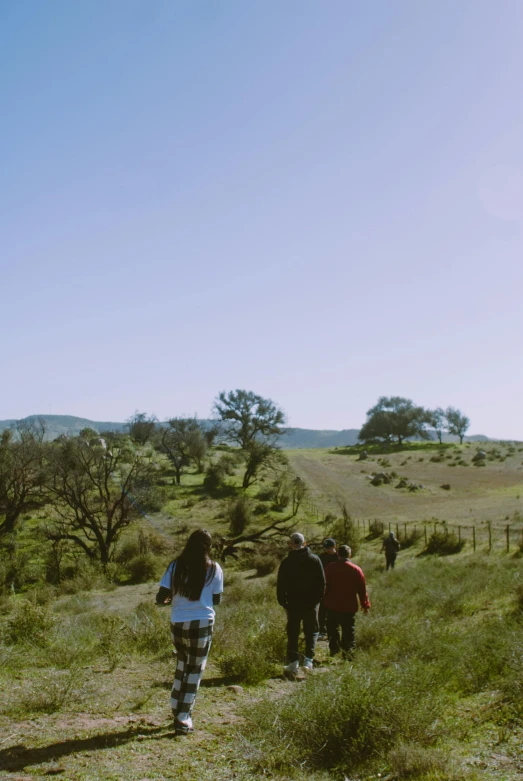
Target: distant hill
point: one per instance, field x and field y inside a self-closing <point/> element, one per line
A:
<point x="292" y="439"/>
<point x="66" y="424"/>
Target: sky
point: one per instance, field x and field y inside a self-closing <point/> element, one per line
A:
<point x="321" y="202"/>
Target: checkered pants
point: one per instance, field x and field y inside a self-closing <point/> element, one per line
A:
<point x="192" y="641"/>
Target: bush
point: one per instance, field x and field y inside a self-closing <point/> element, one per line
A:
<point x="239" y="514"/>
<point x="376" y="529"/>
<point x="345" y="531"/>
<point x="143" y="568"/>
<point x="444" y="543"/>
<point x="29" y="623"/>
<point x="338" y="722"/>
<point x="264" y="563"/>
<point x="250" y="641"/>
<point x="214" y="478"/>
<point x="150" y="630"/>
<point x="411" y="538"/>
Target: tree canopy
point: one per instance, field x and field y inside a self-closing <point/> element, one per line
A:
<point x="394" y="418"/>
<point x="254" y="424"/>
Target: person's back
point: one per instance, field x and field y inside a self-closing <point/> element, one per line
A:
<point x="345" y="583"/>
<point x="300" y="579"/>
<point x="345" y="588"/>
<point x="391" y="545"/>
<point x="300" y="586"/>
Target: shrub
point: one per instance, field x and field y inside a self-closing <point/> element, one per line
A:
<point x="214" y="478"/>
<point x="150" y="630"/>
<point x="239" y="514"/>
<point x="143" y="568"/>
<point x="376" y="529"/>
<point x="412" y="536"/>
<point x="345" y="531"/>
<point x="264" y="563"/>
<point x="338" y="722"/>
<point x="412" y="761"/>
<point x="250" y="641"/>
<point x="444" y="543"/>
<point x="29" y="623"/>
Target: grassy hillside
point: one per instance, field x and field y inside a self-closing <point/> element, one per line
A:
<point x="433" y="693"/>
<point x="490" y="492"/>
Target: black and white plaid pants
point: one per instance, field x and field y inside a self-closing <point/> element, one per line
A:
<point x="192" y="641"/>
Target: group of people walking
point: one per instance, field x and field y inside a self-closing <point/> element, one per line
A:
<point x="320" y="594"/>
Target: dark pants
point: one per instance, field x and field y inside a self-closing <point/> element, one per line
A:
<point x="390" y="558"/>
<point x="322" y="618"/>
<point x="336" y="620"/>
<point x="295" y="617"/>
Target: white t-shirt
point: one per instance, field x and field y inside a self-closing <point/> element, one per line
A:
<point x="184" y="609"/>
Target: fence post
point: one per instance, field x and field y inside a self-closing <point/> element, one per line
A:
<point x="425" y="529"/>
<point x="489" y="526"/>
<point x="397" y="530"/>
<point x="474" y="538"/>
<point x="507" y="531"/>
<point x="405" y="527"/>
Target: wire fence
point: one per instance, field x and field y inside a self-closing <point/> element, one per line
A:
<point x="484" y="534"/>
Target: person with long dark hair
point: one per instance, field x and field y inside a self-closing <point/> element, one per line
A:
<point x="194" y="584"/>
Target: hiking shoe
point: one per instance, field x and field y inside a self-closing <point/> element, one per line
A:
<point x="182" y="729"/>
<point x="292" y="668"/>
<point x="308" y="664"/>
<point x="322" y="636"/>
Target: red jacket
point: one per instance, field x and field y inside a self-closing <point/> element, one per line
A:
<point x="345" y="583"/>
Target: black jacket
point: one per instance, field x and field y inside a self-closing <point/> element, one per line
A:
<point x="301" y="580"/>
<point x="328" y="558"/>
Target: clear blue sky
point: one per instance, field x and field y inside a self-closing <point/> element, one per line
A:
<point x="318" y="201"/>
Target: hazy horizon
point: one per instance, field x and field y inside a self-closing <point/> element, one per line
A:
<point x="322" y="203"/>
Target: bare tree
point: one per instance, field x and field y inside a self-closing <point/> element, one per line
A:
<point x="254" y="424"/>
<point x="96" y="492"/>
<point x="183" y="441"/>
<point x="21" y="472"/>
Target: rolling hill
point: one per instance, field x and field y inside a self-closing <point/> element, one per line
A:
<point x="294" y="438"/>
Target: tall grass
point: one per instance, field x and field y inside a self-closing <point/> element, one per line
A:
<point x="439" y="629"/>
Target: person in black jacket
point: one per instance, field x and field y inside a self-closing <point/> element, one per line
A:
<point x="300" y="587"/>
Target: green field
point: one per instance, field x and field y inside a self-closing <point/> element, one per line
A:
<point x="434" y="692"/>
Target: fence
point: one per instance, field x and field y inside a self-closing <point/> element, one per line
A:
<point x="484" y="534"/>
<point x="481" y="534"/>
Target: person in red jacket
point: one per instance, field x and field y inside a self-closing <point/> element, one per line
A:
<point x="345" y="586"/>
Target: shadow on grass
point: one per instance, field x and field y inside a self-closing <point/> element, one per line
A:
<point x="17" y="758"/>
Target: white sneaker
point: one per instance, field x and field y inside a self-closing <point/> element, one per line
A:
<point x="308" y="664"/>
<point x="292" y="668"/>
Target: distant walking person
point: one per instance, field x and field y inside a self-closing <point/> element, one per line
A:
<point x="345" y="586"/>
<point x="194" y="583"/>
<point x="300" y="587"/>
<point x="391" y="547"/>
<point x="327" y="556"/>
